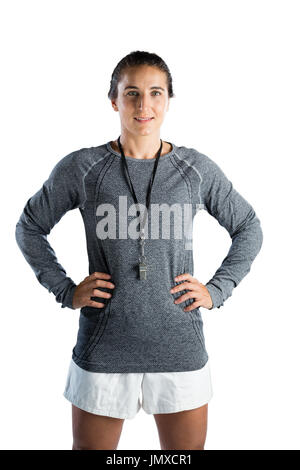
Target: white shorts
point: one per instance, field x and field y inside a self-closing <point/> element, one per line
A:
<point x="118" y="394"/>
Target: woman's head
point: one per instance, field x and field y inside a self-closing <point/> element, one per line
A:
<point x="141" y="86"/>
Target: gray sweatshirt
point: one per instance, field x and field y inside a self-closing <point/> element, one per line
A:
<point x="140" y="328"/>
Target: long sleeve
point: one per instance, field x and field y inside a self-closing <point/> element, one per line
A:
<point x="61" y="192"/>
<point x="238" y="217"/>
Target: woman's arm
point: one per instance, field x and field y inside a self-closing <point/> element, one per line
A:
<point x="234" y="213"/>
<point x="61" y="192"/>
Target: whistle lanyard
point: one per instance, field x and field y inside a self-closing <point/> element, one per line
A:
<point x="142" y="257"/>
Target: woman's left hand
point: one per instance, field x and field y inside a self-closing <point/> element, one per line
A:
<point x="197" y="291"/>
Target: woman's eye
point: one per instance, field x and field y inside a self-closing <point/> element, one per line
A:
<point x="136" y="92"/>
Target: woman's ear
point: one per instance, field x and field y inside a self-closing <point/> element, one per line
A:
<point x="114" y="105"/>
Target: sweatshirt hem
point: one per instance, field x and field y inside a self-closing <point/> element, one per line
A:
<point x="141" y="368"/>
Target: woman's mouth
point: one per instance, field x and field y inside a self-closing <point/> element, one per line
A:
<point x="145" y="119"/>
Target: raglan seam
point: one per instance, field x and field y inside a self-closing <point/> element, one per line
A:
<point x="102" y="157"/>
<point x="190" y="193"/>
<point x="181" y="172"/>
<point x="98" y="183"/>
<point x="198" y="174"/>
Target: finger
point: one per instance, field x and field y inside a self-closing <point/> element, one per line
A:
<point x="184" y="297"/>
<point x="183" y="277"/>
<point x="192" y="306"/>
<point x="99" y="293"/>
<point x="93" y="303"/>
<point x="101" y="283"/>
<point x="97" y="275"/>
<point x="184" y="285"/>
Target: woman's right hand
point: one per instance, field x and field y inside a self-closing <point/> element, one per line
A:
<point x="87" y="289"/>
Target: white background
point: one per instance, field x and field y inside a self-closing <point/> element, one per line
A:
<point x="235" y="67"/>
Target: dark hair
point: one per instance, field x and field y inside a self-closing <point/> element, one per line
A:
<point x="134" y="59"/>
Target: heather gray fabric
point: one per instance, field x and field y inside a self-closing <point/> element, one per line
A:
<point x="139" y="329"/>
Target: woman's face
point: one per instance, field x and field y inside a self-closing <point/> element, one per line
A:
<point x="142" y="92"/>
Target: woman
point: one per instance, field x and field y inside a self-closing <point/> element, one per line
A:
<point x="140" y="327"/>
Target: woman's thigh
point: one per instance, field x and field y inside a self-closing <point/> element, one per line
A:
<point x="95" y="432"/>
<point x="183" y="430"/>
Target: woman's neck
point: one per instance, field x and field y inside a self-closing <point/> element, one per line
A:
<point x="166" y="148"/>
